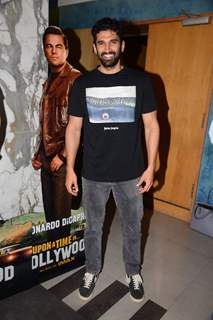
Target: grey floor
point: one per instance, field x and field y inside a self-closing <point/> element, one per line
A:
<point x="178" y="281"/>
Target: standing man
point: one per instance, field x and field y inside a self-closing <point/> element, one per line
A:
<point x="110" y="103"/>
<point x="50" y="156"/>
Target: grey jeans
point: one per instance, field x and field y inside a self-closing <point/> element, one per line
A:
<point x="130" y="206"/>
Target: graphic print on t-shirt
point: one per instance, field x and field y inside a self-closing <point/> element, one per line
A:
<point x="111" y="104"/>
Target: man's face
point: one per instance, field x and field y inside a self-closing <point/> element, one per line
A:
<point x="108" y="47"/>
<point x="55" y="51"/>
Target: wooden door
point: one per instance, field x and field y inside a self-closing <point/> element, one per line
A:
<point x="87" y="59"/>
<point x="180" y="59"/>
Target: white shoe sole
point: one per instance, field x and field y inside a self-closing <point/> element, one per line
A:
<point x="136" y="300"/>
<point x="84" y="298"/>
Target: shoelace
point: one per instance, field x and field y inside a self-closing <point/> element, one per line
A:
<point x="88" y="279"/>
<point x="136" y="279"/>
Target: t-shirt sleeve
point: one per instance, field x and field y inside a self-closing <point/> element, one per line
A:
<point x="149" y="103"/>
<point x="75" y="104"/>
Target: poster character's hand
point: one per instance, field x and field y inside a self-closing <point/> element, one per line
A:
<point x="56" y="163"/>
<point x="36" y="163"/>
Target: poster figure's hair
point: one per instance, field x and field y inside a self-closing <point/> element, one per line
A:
<point x="58" y="31"/>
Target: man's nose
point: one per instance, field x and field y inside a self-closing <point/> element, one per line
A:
<point x="53" y="49"/>
<point x="107" y="47"/>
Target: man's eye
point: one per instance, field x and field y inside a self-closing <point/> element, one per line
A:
<point x="114" y="41"/>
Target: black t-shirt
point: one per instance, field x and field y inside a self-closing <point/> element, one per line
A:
<point x="111" y="105"/>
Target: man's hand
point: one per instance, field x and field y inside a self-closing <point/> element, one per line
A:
<point x="72" y="183"/>
<point x="56" y="163"/>
<point x="146" y="180"/>
<point x="36" y="163"/>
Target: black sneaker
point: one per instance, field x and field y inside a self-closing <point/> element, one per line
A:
<point x="136" y="289"/>
<point x="87" y="285"/>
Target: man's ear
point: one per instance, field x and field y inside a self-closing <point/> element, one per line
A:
<point x="67" y="50"/>
<point x="122" y="46"/>
<point x="94" y="48"/>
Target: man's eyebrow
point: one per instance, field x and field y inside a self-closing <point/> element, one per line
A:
<point x="51" y="44"/>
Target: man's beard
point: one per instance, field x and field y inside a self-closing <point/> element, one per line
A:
<point x="112" y="62"/>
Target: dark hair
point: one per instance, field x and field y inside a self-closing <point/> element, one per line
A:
<point x="107" y="23"/>
<point x="55" y="30"/>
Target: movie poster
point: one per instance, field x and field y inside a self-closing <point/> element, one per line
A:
<point x="26" y="255"/>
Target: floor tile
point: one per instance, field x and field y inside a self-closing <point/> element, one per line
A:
<point x="181" y="233"/>
<point x="195" y="303"/>
<point x="150" y="310"/>
<point x="35" y="303"/>
<point x="104" y="301"/>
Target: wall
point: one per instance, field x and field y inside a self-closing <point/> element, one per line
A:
<point x="85" y="14"/>
<point x="22" y="71"/>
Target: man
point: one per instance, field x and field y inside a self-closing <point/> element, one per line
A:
<point x="112" y="100"/>
<point x="51" y="155"/>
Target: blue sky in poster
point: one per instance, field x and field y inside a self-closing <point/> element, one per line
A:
<point x="205" y="184"/>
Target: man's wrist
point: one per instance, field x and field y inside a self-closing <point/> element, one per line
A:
<point x="151" y="166"/>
